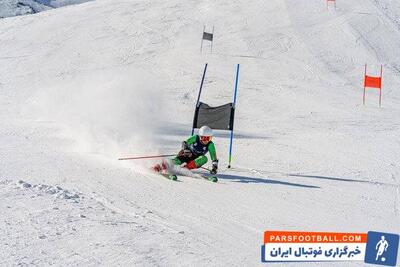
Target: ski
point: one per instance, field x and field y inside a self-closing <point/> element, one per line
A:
<point x="211" y="178"/>
<point x="174" y="177"/>
<point x="190" y="174"/>
<point x="168" y="176"/>
<point x="171" y="171"/>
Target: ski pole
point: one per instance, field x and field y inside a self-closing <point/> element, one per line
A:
<point x="147" y="157"/>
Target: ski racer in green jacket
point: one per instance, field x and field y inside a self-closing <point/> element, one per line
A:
<point x="194" y="150"/>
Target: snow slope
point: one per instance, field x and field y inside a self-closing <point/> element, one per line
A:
<point x="84" y="85"/>
<point x="9" y="8"/>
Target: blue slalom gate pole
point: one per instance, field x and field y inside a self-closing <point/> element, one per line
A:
<point x="234" y="106"/>
<point x="201" y="87"/>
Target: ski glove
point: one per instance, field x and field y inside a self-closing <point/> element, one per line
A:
<point x="184" y="145"/>
<point x="214" y="167"/>
<point x="187" y="153"/>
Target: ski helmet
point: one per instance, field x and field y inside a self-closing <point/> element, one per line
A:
<point x="205" y="131"/>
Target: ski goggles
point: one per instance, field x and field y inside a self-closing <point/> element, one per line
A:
<point x="205" y="138"/>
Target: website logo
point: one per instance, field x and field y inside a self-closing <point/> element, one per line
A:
<point x="382" y="248"/>
<point x="280" y="246"/>
<point x="292" y="246"/>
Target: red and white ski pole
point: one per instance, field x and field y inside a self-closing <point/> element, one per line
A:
<point x="147" y="157"/>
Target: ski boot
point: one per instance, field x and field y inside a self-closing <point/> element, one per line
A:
<point x="213" y="179"/>
<point x="172" y="177"/>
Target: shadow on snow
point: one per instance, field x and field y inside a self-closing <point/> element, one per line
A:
<point x="245" y="179"/>
<point x="331" y="178"/>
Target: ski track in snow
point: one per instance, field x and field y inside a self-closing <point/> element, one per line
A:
<point x="54" y="223"/>
<point x="84" y="85"/>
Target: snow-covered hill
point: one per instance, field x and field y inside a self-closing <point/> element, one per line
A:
<point x="83" y="85"/>
<point x="10" y="8"/>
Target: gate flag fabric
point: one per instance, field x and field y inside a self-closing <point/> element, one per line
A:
<point x="220" y="118"/>
<point x="373" y="82"/>
<point x="208" y="36"/>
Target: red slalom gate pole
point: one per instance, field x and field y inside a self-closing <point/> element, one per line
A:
<point x="147" y="157"/>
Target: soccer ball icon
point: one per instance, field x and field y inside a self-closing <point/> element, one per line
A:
<point x="383" y="259"/>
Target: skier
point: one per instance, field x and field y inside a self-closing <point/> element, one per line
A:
<point x="192" y="155"/>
